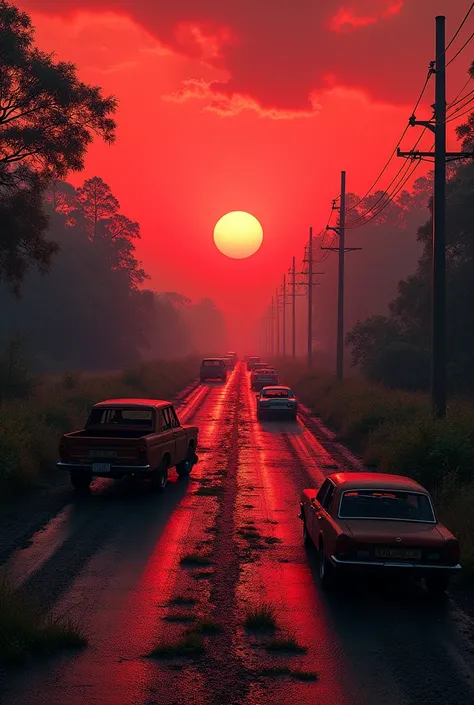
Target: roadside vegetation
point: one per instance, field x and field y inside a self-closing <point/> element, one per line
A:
<point x="394" y="431"/>
<point x="31" y="423"/>
<point x="25" y="632"/>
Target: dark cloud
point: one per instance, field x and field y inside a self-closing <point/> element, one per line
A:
<point x="279" y="52"/>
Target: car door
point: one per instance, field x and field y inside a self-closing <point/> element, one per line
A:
<point x="179" y="436"/>
<point x="323" y="516"/>
<point x="318" y="510"/>
<point x="167" y="436"/>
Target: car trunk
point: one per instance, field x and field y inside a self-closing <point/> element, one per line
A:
<point x="377" y="540"/>
<point x="89" y="448"/>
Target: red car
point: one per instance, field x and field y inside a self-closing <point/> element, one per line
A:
<point x="362" y="522"/>
<point x="263" y="378"/>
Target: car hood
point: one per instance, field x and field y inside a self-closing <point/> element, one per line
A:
<point x="386" y="532"/>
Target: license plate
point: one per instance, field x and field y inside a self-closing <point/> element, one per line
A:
<point x="407" y="554"/>
<point x="100" y="467"/>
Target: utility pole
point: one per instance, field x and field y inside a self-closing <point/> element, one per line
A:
<point x="272" y="346"/>
<point x="341" y="250"/>
<point x="293" y="305"/>
<point x="340" y="283"/>
<point x="284" y="316"/>
<point x="310" y="299"/>
<point x="277" y="325"/>
<point x="437" y="125"/>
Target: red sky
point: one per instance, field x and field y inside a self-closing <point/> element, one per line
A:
<point x="249" y="105"/>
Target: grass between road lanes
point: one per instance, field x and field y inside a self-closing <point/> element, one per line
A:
<point x="26" y="632"/>
<point x="30" y="427"/>
<point x="395" y="432"/>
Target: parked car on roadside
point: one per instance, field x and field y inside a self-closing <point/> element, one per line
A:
<point x="213" y="368"/>
<point x="276" y="401"/>
<point x="375" y="523"/>
<point x="142" y="438"/>
<point x="229" y="362"/>
<point x="263" y="378"/>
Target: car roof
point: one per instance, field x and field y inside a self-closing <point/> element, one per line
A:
<point x="277" y="386"/>
<point x="375" y="480"/>
<point x="212" y="359"/>
<point x="135" y="403"/>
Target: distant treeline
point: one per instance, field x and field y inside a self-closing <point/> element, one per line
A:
<point x="90" y="311"/>
<point x="71" y="289"/>
<point x="395" y="349"/>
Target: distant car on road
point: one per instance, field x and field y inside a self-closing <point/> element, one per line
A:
<point x="252" y="361"/>
<point x="377" y="523"/>
<point x="263" y="378"/>
<point x="229" y="362"/>
<point x="276" y="401"/>
<point x="142" y="438"/>
<point x="213" y="368"/>
<point x="233" y="356"/>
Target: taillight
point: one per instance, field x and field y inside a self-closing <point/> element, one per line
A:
<point x="452" y="551"/>
<point x="344" y="545"/>
<point x="142" y="452"/>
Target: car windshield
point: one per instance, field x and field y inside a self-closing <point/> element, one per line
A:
<point x="386" y="504"/>
<point x="212" y="363"/>
<point x="277" y="393"/>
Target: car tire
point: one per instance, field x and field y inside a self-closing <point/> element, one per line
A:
<point x="293" y="416"/>
<point x="185" y="466"/>
<point x="159" y="478"/>
<point x="81" y="481"/>
<point x="437" y="585"/>
<point x="326" y="569"/>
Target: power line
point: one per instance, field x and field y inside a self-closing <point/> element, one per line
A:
<point x="369" y="190"/>
<point x="429" y="74"/>
<point x="460" y="50"/>
<point x="459" y="29"/>
<point x="456" y="115"/>
<point x="360" y="219"/>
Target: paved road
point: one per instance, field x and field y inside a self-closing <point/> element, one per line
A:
<point x="113" y="560"/>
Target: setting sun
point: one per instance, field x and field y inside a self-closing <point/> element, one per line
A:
<point x="238" y="235"/>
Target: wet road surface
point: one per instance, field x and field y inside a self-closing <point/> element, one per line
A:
<point x="113" y="560"/>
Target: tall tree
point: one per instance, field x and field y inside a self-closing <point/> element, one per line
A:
<point x="48" y="118"/>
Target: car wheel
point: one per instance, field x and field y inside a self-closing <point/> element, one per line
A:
<point x="438" y="584"/>
<point x="293" y="416"/>
<point x="326" y="569"/>
<point x="184" y="468"/>
<point x="81" y="481"/>
<point x="159" y="478"/>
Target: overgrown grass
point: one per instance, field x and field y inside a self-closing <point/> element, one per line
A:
<point x="206" y="627"/>
<point x="195" y="559"/>
<point x="261" y="618"/>
<point x="396" y="432"/>
<point x="26" y="632"/>
<point x="209" y="491"/>
<point x="286" y="644"/>
<point x="31" y="425"/>
<point x="189" y="646"/>
<point x="182" y="601"/>
<point x="279" y="671"/>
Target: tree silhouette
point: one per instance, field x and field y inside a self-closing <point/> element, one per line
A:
<point x="48" y="118"/>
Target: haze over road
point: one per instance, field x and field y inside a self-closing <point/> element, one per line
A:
<point x="112" y="560"/>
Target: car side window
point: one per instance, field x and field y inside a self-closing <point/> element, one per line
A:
<point x="173" y="418"/>
<point x="326" y="503"/>
<point x="322" y="492"/>
<point x="165" y="420"/>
